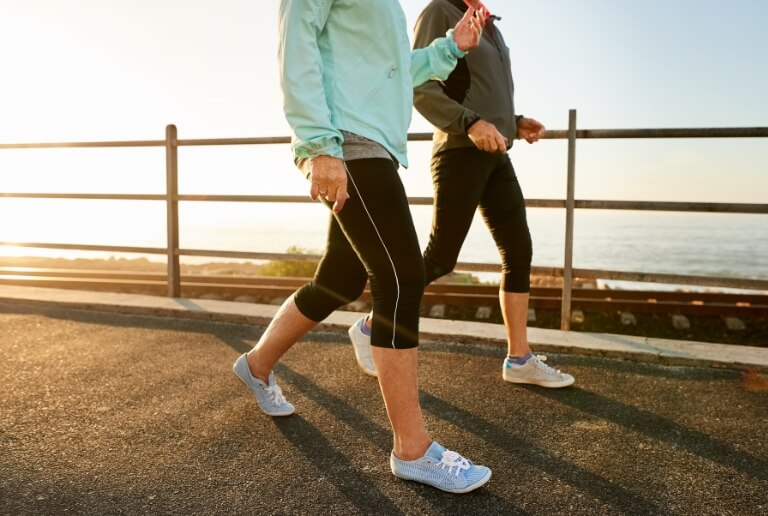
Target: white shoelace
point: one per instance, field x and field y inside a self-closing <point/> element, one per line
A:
<point x="539" y="363"/>
<point x="275" y="395"/>
<point x="451" y="460"/>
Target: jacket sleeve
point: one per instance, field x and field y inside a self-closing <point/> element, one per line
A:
<point x="429" y="98"/>
<point x="301" y="72"/>
<point x="436" y="60"/>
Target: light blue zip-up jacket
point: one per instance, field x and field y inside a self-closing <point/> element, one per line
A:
<point x="347" y="64"/>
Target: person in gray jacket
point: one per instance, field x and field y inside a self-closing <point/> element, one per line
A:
<point x="473" y="112"/>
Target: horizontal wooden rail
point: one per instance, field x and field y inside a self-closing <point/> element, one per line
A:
<point x="87" y="196"/>
<point x="84" y="145"/>
<point x="699" y="132"/>
<point x="84" y="247"/>
<point x="678" y="279"/>
<point x="701" y="207"/>
<point x="557" y="134"/>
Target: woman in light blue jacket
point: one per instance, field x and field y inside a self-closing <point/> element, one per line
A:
<point x="347" y="75"/>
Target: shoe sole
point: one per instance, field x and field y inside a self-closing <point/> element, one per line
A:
<point x="276" y="414"/>
<point x="549" y="385"/>
<point x="476" y="485"/>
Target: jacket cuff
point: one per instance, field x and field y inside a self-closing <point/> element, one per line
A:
<point x="470" y="121"/>
<point x="313" y="149"/>
<point x="453" y="47"/>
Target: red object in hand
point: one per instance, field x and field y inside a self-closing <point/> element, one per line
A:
<point x="479" y="7"/>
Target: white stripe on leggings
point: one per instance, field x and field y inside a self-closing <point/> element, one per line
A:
<point x="394" y="270"/>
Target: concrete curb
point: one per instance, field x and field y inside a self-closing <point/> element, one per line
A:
<point x="664" y="351"/>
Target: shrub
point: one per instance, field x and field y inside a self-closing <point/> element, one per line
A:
<point x="291" y="268"/>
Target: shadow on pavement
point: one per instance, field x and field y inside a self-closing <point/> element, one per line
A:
<point x="358" y="486"/>
<point x="659" y="428"/>
<point x="338" y="437"/>
<point x="306" y="439"/>
<point x="525" y="451"/>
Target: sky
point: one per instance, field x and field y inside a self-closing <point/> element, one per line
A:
<point x="89" y="70"/>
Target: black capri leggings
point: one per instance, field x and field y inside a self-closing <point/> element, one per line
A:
<point x="371" y="238"/>
<point x="464" y="179"/>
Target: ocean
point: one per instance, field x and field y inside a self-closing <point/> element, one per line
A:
<point x="729" y="245"/>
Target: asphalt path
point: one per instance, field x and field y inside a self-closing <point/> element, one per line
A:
<point x="106" y="413"/>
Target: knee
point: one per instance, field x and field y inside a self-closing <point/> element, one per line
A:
<point x="516" y="268"/>
<point x="412" y="287"/>
<point x="403" y="287"/>
<point x="316" y="300"/>
<point x="516" y="281"/>
<point x="323" y="295"/>
<point x="515" y="247"/>
<point x="344" y="292"/>
<point x="412" y="276"/>
<point x="526" y="250"/>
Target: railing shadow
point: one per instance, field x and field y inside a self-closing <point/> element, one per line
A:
<point x="381" y="438"/>
<point x="524" y="451"/>
<point x="356" y="485"/>
<point x="659" y="428"/>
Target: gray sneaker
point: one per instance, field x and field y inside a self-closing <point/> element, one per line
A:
<point x="270" y="396"/>
<point x="443" y="469"/>
<point x="536" y="372"/>
<point x="361" y="343"/>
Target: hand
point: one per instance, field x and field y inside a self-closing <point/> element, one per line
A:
<point x="530" y="130"/>
<point x="469" y="30"/>
<point x="328" y="178"/>
<point x="486" y="137"/>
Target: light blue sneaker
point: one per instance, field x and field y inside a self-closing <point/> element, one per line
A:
<point x="270" y="397"/>
<point x="443" y="469"/>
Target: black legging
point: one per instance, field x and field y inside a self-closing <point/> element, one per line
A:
<point x="371" y="238"/>
<point x="464" y="179"/>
